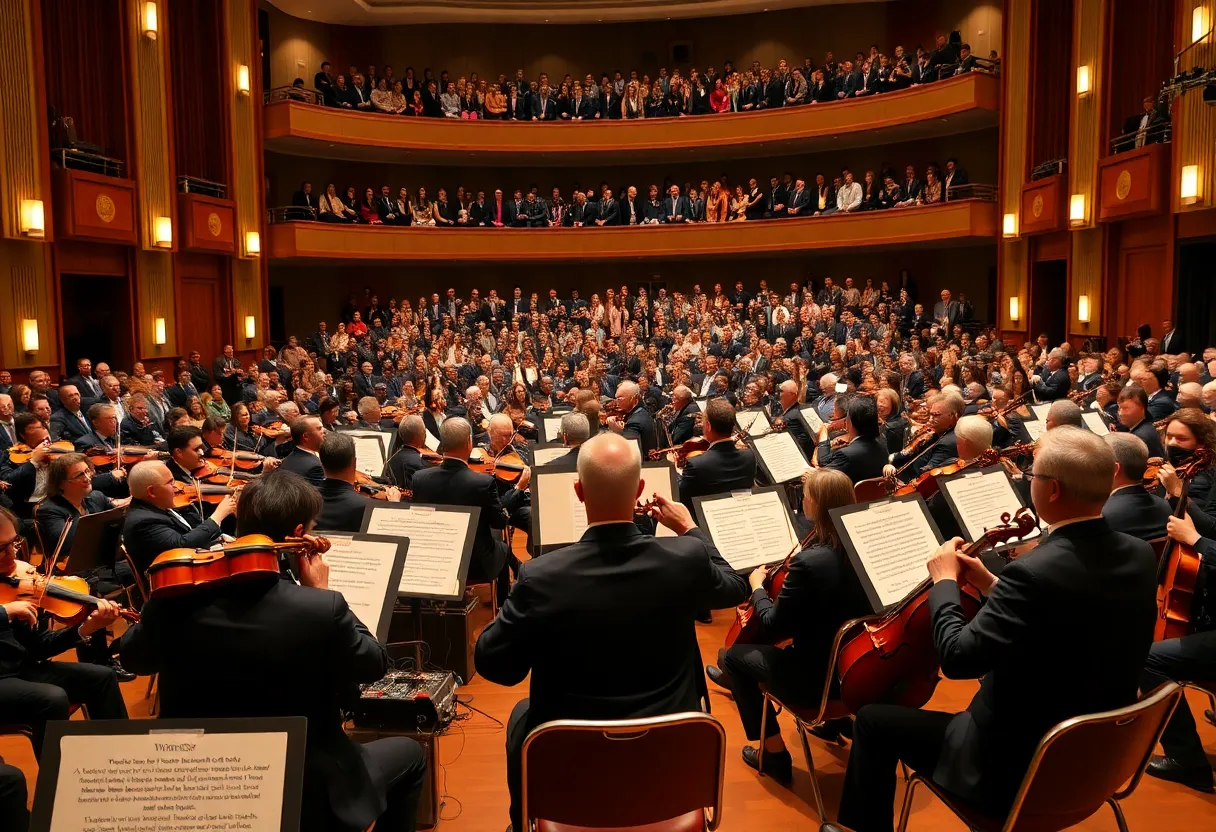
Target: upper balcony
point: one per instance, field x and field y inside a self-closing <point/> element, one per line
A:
<point x="956" y="105"/>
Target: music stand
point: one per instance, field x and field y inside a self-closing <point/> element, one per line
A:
<point x="96" y="541"/>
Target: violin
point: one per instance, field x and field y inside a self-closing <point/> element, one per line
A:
<point x="65" y="599"/>
<point x="123" y="456"/>
<point x="1178" y="569"/>
<point x="254" y="556"/>
<point x="745" y="629"/>
<point x="270" y="429"/>
<point x="21" y="453"/>
<point x="239" y="459"/>
<point x="926" y="483"/>
<point x="368" y="486"/>
<point x="894" y="659"/>
<point x="206" y="492"/>
<point x="209" y="472"/>
<point x="685" y="451"/>
<point x="507" y="465"/>
<point x="1155" y="464"/>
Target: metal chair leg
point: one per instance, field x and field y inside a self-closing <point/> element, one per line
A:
<point x="810" y="766"/>
<point x="1119" y="819"/>
<point x="763" y="735"/>
<point x="905" y="812"/>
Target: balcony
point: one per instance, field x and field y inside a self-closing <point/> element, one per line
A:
<point x="967" y="222"/>
<point x="957" y="105"/>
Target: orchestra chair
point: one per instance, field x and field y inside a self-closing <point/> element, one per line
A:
<point x="1080" y="764"/>
<point x="669" y="768"/>
<point x="878" y="488"/>
<point x="807" y="718"/>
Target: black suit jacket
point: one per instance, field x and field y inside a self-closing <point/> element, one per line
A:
<point x="149" y="531"/>
<point x="722" y="468"/>
<point x="1136" y="512"/>
<point x="22" y="646"/>
<point x="301" y="649"/>
<point x="861" y="459"/>
<point x="1152" y="439"/>
<point x="1054" y="386"/>
<point x="943" y="452"/>
<point x="683" y="425"/>
<point x="452" y="483"/>
<point x="307" y="465"/>
<point x="1084" y="578"/>
<point x="401" y="466"/>
<point x="1160" y="406"/>
<point x="133" y="433"/>
<point x="87" y="395"/>
<point x="640" y="425"/>
<point x="65" y="425"/>
<point x="343" y="508"/>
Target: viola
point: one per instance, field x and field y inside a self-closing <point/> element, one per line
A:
<point x="21" y="453"/>
<point x="894" y="659"/>
<point x="745" y="629"/>
<point x="65" y="599"/>
<point x="1178" y="569"/>
<point x="188" y="494"/>
<point x="252" y="557"/>
<point x="507" y="465"/>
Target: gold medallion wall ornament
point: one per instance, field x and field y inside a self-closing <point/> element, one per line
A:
<point x="1123" y="185"/>
<point x="214" y="225"/>
<point x="1036" y="207"/>
<point x="105" y="208"/>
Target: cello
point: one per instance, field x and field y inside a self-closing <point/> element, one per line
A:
<point x="894" y="659"/>
<point x="1178" y="569"/>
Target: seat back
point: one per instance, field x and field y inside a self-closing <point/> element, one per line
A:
<point x="624" y="773"/>
<point x="1083" y="762"/>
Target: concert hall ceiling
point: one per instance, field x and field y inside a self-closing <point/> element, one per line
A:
<point x="389" y="12"/>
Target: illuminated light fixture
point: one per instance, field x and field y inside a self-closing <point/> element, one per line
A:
<point x="162" y="232"/>
<point x="149" y="21"/>
<point x="242" y="79"/>
<point x="158" y="331"/>
<point x="1189" y="189"/>
<point x="29" y="335"/>
<point x="1083" y="309"/>
<point x="1083" y="80"/>
<point x="251" y="328"/>
<point x="253" y="243"/>
<point x="1200" y="24"/>
<point x="1009" y="225"/>
<point x="1015" y="311"/>
<point x="33" y="220"/>
<point x="1076" y="209"/>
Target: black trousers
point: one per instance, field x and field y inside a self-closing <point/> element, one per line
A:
<point x="45" y="691"/>
<point x="518" y="727"/>
<point x="402" y="765"/>
<point x="1183" y="659"/>
<point x="789" y="679"/>
<point x="13" y="815"/>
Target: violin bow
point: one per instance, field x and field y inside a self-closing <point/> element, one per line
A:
<point x="54" y="559"/>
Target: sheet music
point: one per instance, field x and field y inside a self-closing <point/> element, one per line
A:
<point x="1040" y="410"/>
<point x="980" y="498"/>
<point x="543" y="456"/>
<point x="432" y="444"/>
<point x="563" y="517"/>
<point x="752" y="422"/>
<point x="781" y="455"/>
<point x="1095" y="423"/>
<point x="811" y="416"/>
<point x="701" y="404"/>
<point x="893" y="541"/>
<point x="1034" y="428"/>
<point x="383" y="437"/>
<point x="437" y="541"/>
<point x="748" y="529"/>
<point x="360" y="570"/>
<point x="369" y="453"/>
<point x="553" y="428"/>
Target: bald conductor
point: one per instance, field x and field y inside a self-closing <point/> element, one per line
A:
<point x="607" y="629"/>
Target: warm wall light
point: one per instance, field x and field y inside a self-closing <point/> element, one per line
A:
<point x="253" y="243"/>
<point x="149" y="22"/>
<point x="33" y="220"/>
<point x="29" y="335"/>
<point x="1083" y="80"/>
<point x="251" y="328"/>
<point x="1200" y="24"/>
<point x="242" y="79"/>
<point x="1009" y="226"/>
<point x="1015" y="312"/>
<point x="1189" y="189"/>
<point x="162" y="232"/>
<point x="1076" y="209"/>
<point x="158" y="332"/>
<point x="1083" y="309"/>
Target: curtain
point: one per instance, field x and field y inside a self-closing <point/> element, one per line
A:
<point x="1141" y="56"/>
<point x="195" y="56"/>
<point x="1052" y="80"/>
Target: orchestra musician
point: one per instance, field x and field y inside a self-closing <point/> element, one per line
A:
<point x="633" y="420"/>
<point x="606" y="629"/>
<point x="239" y="436"/>
<point x="1188" y="430"/>
<point x="13" y="798"/>
<point x="575" y="431"/>
<point x="1133" y="416"/>
<point x="723" y="467"/>
<point x="683" y="423"/>
<point x="1013" y="645"/>
<point x="944" y="413"/>
<point x="328" y="410"/>
<point x="274" y="648"/>
<point x="821" y="592"/>
<point x="863" y="455"/>
<point x="411" y="442"/>
<point x="791" y="417"/>
<point x="343" y="505"/>
<point x="974" y="436"/>
<point x="154" y="526"/>
<point x="1130" y="508"/>
<point x="890" y="416"/>
<point x="514" y="496"/>
<point x="307" y="435"/>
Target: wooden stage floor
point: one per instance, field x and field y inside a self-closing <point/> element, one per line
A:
<point x="472" y="778"/>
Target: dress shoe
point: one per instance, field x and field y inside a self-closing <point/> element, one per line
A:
<point x="718" y="676"/>
<point x="777" y="765"/>
<point x="1197" y="777"/>
<point x="123" y="674"/>
<point x="1210" y="716"/>
<point x="834" y="730"/>
<point x="705" y="617"/>
<point x="833" y="827"/>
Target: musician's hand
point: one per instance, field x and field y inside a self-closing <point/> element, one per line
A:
<point x="352" y="416"/>
<point x="313" y="571"/>
<point x="39" y="454"/>
<point x="525" y="477"/>
<point x="888" y="470"/>
<point x="270" y="463"/>
<point x="4" y="485"/>
<point x="1183" y="530"/>
<point x="617" y="423"/>
<point x="673" y="459"/>
<point x="945" y="564"/>
<point x="1170" y="480"/>
<point x="975" y="573"/>
<point x="674" y="516"/>
<point x="757" y="578"/>
<point x="119" y="474"/>
<point x="225" y="509"/>
<point x="21" y="611"/>
<point x="121" y="502"/>
<point x="100" y="618"/>
<point x="1036" y="380"/>
<point x="393" y="494"/>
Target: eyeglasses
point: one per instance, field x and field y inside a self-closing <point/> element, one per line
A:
<point x="1030" y="475"/>
<point x="81" y="477"/>
<point x="13" y="543"/>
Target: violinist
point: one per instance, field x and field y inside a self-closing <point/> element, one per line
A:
<point x="515" y="497"/>
<point x="307" y="434"/>
<point x="137" y="428"/>
<point x="974" y="436"/>
<point x="944" y="413"/>
<point x="435" y="412"/>
<point x="821" y="592"/>
<point x="634" y="421"/>
<point x="104" y="435"/>
<point x="301" y="649"/>
<point x="683" y="423"/>
<point x="864" y="454"/>
<point x="723" y="467"/>
<point x="1133" y="416"/>
<point x="1013" y="645"/>
<point x="212" y="432"/>
<point x="370" y="417"/>
<point x="891" y="419"/>
<point x="1187" y="431"/>
<point x="1131" y="508"/>
<point x="791" y="416"/>
<point x="1007" y="428"/>
<point x="575" y="430"/>
<point x="327" y="412"/>
<point x="153" y="526"/>
<point x="411" y="443"/>
<point x="26" y="481"/>
<point x="238" y="435"/>
<point x="33" y="689"/>
<point x="343" y="504"/>
<point x="1063" y="412"/>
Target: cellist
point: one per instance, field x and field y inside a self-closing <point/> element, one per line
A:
<point x="821" y="592"/>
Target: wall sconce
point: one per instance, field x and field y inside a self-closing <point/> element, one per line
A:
<point x="1009" y="226"/>
<point x="29" y="335"/>
<point x="162" y="232"/>
<point x="251" y="328"/>
<point x="1083" y="80"/>
<point x="1189" y="189"/>
<point x="253" y="243"/>
<point x="242" y="80"/>
<point x="149" y="21"/>
<point x="158" y="332"/>
<point x="1200" y="23"/>
<point x="1076" y="209"/>
<point x="1083" y="309"/>
<point x="33" y="220"/>
<point x="1015" y="311"/>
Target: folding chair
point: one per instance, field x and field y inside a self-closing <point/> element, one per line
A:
<point x="660" y="774"/>
<point x="1080" y="764"/>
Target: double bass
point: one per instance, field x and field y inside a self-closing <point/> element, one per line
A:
<point x="1178" y="569"/>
